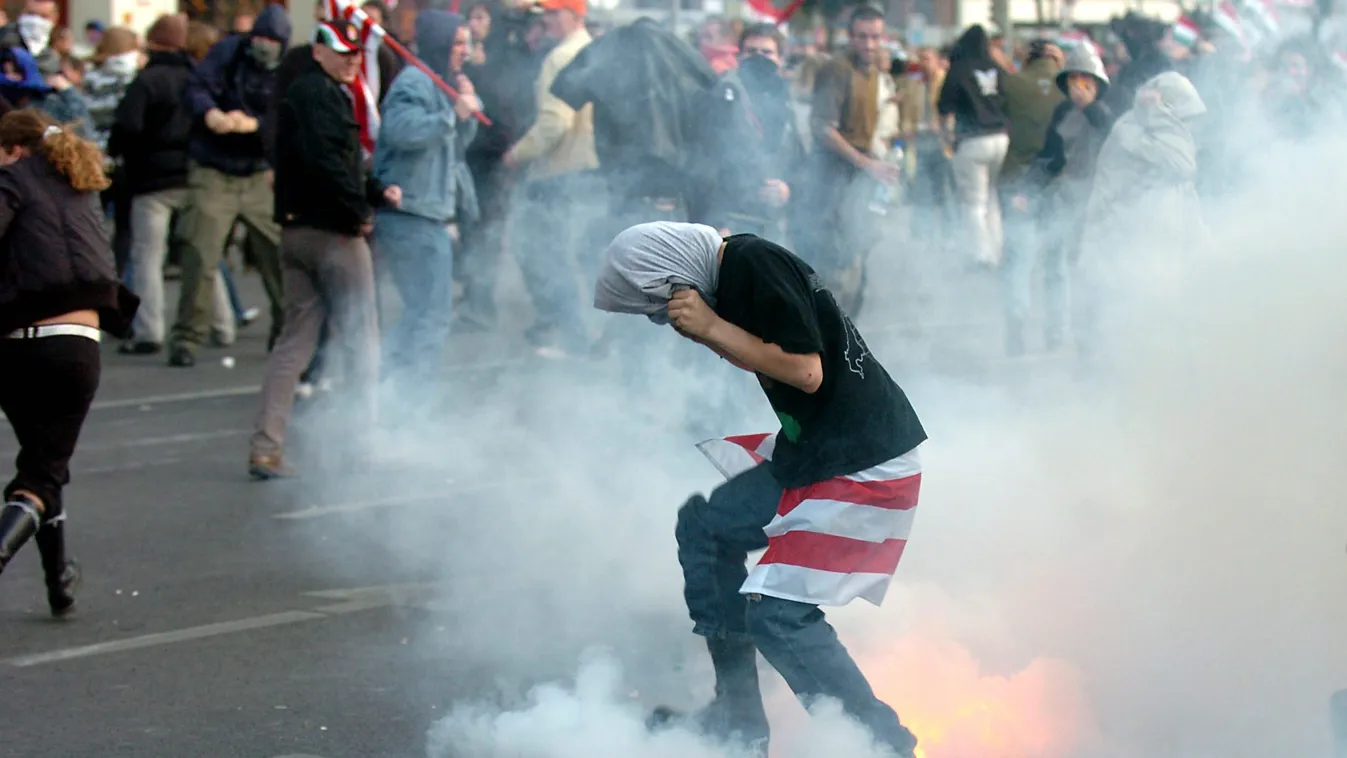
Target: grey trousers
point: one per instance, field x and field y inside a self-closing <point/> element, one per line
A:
<point x="326" y="277"/>
<point x="151" y="217"/>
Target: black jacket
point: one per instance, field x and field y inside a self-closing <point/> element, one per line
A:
<point x="321" y="180"/>
<point x="646" y="85"/>
<point x="748" y="137"/>
<point x="152" y="125"/>
<point x="229" y="79"/>
<point x="974" y="90"/>
<point x="54" y="255"/>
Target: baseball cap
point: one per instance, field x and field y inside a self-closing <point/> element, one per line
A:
<point x="578" y="7"/>
<point x="340" y="35"/>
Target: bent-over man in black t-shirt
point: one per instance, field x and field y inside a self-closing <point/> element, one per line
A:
<point x="832" y="500"/>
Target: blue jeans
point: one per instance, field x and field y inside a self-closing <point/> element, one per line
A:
<point x="1027" y="245"/>
<point x="715" y="536"/>
<point x="235" y="303"/>
<point x="551" y="229"/>
<point x="418" y="254"/>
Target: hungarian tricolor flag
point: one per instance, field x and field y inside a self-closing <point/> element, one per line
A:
<point x="365" y="90"/>
<point x="833" y="541"/>
<point x="1071" y="38"/>
<point x="1186" y="32"/>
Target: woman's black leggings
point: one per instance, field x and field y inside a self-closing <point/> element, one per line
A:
<point x="46" y="387"/>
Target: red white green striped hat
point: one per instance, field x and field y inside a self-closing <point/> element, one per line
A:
<point x="340" y="35"/>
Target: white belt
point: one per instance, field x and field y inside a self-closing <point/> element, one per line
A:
<point x="56" y="330"/>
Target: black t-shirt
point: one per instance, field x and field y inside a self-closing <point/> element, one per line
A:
<point x="859" y="417"/>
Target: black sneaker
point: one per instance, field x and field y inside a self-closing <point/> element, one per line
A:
<point x="131" y="347"/>
<point x="182" y="357"/>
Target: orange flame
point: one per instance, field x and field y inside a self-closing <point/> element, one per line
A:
<point x="956" y="711"/>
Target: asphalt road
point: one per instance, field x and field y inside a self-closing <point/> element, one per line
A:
<point x="337" y="614"/>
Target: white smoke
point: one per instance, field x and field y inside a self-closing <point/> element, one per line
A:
<point x="1150" y="562"/>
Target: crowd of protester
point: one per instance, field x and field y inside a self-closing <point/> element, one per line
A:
<point x="527" y="130"/>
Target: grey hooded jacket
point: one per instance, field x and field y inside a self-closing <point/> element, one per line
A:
<point x="1075" y="135"/>
<point x="1145" y="194"/>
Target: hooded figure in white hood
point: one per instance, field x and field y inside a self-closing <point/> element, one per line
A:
<point x="830" y="496"/>
<point x="1145" y="175"/>
<point x="1144" y="210"/>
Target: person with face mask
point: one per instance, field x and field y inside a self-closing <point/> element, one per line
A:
<point x="32" y="31"/>
<point x="751" y="143"/>
<point x="231" y="95"/>
<point x="422" y="140"/>
<point x="23" y="86"/>
<point x="116" y="63"/>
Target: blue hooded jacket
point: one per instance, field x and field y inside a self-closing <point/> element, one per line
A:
<point x="67" y="106"/>
<point x="421" y="140"/>
<point x="230" y="79"/>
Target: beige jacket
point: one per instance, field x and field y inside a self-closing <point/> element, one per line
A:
<point x="561" y="140"/>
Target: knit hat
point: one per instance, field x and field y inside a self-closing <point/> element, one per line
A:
<point x="578" y="7"/>
<point x="168" y="31"/>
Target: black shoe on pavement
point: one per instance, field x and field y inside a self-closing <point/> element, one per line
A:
<point x="703" y="722"/>
<point x="140" y="348"/>
<point x="182" y="357"/>
<point x="267" y="467"/>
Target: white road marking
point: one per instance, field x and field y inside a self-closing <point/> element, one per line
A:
<point x="315" y="511"/>
<point x="353" y="600"/>
<point x="180" y="397"/>
<point x="253" y="389"/>
<point x="164" y="638"/>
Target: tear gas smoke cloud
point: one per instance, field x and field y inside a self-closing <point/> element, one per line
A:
<point x="1147" y="563"/>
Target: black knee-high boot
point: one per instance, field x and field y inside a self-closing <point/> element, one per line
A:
<point x="19" y="521"/>
<point x="736" y="715"/>
<point x="61" y="573"/>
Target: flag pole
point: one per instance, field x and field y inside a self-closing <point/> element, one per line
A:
<point x="349" y="11"/>
<point x="407" y="56"/>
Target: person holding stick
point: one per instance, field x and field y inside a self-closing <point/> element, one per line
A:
<point x="830" y="496"/>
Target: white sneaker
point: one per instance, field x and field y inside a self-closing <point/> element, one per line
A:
<point x="304" y="390"/>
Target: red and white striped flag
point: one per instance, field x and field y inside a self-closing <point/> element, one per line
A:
<point x="365" y="90"/>
<point x="833" y="541"/>
<point x="775" y="11"/>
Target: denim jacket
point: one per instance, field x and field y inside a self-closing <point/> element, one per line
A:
<point x="420" y="149"/>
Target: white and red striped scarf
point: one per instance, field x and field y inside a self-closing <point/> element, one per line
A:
<point x="833" y="541"/>
<point x="365" y="90"/>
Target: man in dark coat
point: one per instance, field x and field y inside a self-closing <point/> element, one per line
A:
<point x="150" y="131"/>
<point x="230" y="96"/>
<point x="325" y="202"/>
